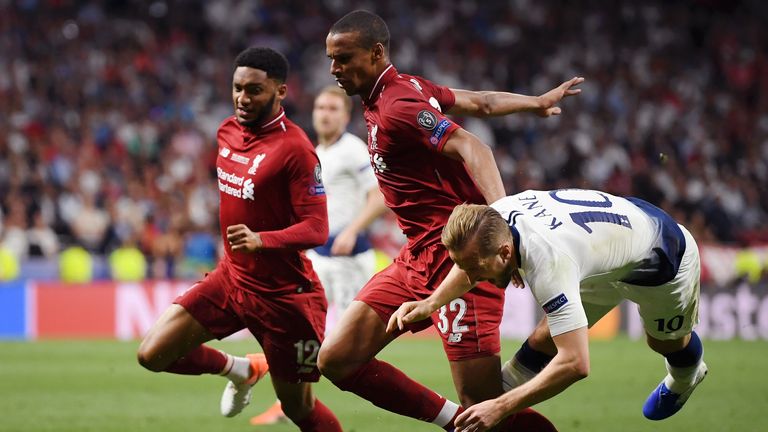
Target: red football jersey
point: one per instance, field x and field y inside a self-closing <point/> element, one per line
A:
<point x="406" y="134"/>
<point x="269" y="179"/>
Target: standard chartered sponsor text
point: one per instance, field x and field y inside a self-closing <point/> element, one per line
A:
<point x="228" y="177"/>
<point x="227" y="189"/>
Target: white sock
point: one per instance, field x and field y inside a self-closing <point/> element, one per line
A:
<point x="238" y="369"/>
<point x="514" y="374"/>
<point x="678" y="379"/>
<point x="447" y="413"/>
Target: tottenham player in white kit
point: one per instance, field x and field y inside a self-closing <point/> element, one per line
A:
<point x="581" y="252"/>
<point x="346" y="262"/>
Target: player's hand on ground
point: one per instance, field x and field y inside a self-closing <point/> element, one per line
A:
<point x="407" y="313"/>
<point x="550" y="98"/>
<point x="242" y="239"/>
<point x="344" y="243"/>
<point x="480" y="417"/>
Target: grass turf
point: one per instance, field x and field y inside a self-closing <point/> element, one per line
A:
<point x="98" y="386"/>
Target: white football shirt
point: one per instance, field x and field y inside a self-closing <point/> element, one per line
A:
<point x="575" y="242"/>
<point x="347" y="176"/>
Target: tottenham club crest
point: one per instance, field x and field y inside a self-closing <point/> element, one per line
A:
<point x="426" y="119"/>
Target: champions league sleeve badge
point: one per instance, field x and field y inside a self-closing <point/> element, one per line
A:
<point x="317" y="188"/>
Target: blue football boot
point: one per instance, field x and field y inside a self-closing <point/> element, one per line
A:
<point x="663" y="403"/>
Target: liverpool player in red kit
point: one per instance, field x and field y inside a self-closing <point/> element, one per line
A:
<point x="426" y="165"/>
<point x="272" y="206"/>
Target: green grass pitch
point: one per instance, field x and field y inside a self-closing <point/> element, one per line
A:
<point x="98" y="386"/>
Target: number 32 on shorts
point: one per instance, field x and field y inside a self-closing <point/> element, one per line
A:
<point x="452" y="328"/>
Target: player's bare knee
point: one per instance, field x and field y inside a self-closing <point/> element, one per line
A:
<point x="331" y="364"/>
<point x="149" y="359"/>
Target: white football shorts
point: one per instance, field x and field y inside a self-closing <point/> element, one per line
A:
<point x="668" y="311"/>
<point x="343" y="276"/>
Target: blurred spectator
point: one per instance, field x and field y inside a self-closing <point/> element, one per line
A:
<point x="14" y="236"/>
<point x="89" y="223"/>
<point x="43" y="242"/>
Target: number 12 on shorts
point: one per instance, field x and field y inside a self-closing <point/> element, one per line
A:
<point x="306" y="352"/>
<point x="456" y="328"/>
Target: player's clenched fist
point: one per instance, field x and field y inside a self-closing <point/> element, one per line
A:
<point x="407" y="313"/>
<point x="242" y="239"/>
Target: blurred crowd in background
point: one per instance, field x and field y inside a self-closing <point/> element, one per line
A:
<point x="108" y="109"/>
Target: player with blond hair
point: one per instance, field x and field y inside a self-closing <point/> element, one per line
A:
<point x="581" y="252"/>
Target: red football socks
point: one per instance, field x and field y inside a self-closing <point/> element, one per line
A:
<point x="200" y="360"/>
<point x="389" y="388"/>
<point x="320" y="419"/>
<point x="525" y="421"/>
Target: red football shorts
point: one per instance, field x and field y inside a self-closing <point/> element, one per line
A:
<point x="289" y="328"/>
<point x="469" y="325"/>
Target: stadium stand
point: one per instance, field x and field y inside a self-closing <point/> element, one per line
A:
<point x="108" y="109"/>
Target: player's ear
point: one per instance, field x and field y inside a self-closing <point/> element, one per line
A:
<point x="505" y="251"/>
<point x="282" y="91"/>
<point x="377" y="53"/>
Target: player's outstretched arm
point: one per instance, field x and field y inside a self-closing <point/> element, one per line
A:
<point x="456" y="284"/>
<point x="480" y="162"/>
<point x="569" y="365"/>
<point x="496" y="103"/>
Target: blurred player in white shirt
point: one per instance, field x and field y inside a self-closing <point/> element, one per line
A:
<point x="581" y="252"/>
<point x="346" y="262"/>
